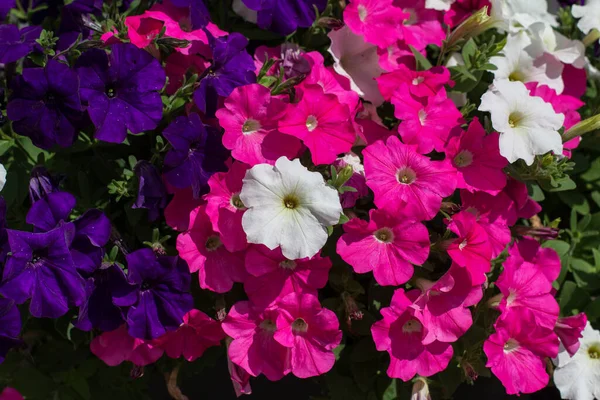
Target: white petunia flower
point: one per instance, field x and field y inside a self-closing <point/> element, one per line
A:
<point x="288" y="206"/>
<point x="441" y="5"/>
<point x="527" y="124"/>
<point x="2" y="176"/>
<point x="547" y="40"/>
<point x="589" y="14"/>
<point x="578" y="378"/>
<point x="517" y="15"/>
<point x="517" y="64"/>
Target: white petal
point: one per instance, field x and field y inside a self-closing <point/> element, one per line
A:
<point x="441" y="5"/>
<point x="2" y="176"/>
<point x="302" y="235"/>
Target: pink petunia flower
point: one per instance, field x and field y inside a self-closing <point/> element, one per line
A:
<point x="202" y="248"/>
<point x="525" y="206"/>
<point x="197" y="333"/>
<point x="177" y="212"/>
<point x="310" y="332"/>
<point x="249" y="119"/>
<point x="240" y="379"/>
<point x="178" y="66"/>
<point x="10" y="394"/>
<point x="224" y="207"/>
<point x="419" y="83"/>
<point x="376" y="20"/>
<point x="423" y="27"/>
<point x="386" y="245"/>
<point x="403" y="180"/>
<point x="516" y="353"/>
<point x="397" y="55"/>
<point x="322" y="123"/>
<point x="272" y="276"/>
<point x="476" y="157"/>
<point x="117" y="346"/>
<point x="569" y="331"/>
<point x="254" y="347"/>
<point x="401" y="333"/>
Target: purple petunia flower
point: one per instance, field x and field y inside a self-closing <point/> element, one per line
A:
<point x="4" y="249"/>
<point x="199" y="14"/>
<point x="45" y="105"/>
<point x="196" y="155"/>
<point x="42" y="183"/>
<point x="285" y="16"/>
<point x="232" y="66"/>
<point x="46" y="213"/>
<point x="16" y="44"/>
<point x="152" y="194"/>
<point x="41" y="268"/>
<point x="162" y="295"/>
<point x="5" y="7"/>
<point x="10" y="326"/>
<point x="121" y="90"/>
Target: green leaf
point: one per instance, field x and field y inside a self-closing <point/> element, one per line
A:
<point x="592" y="310"/>
<point x="79" y="384"/>
<point x="5" y="145"/>
<point x="576" y="201"/>
<point x="593" y="173"/>
<point x="561" y="247"/>
<point x="468" y="51"/>
<point x="572" y="299"/>
<point x="423" y="63"/>
<point x="390" y="393"/>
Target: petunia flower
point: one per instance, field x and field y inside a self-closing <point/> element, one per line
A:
<point x="202" y="248"/>
<point x="177" y="213"/>
<point x="161" y="297"/>
<point x="476" y="157"/>
<point x="285" y="16"/>
<point x="419" y="83"/>
<point x="16" y="44"/>
<point x="569" y="331"/>
<point x="322" y="123"/>
<point x="42" y="183"/>
<point x="423" y="27"/>
<point x="45" y="105"/>
<point x="197" y="333"/>
<point x="10" y="326"/>
<point x="357" y="180"/>
<point x="5" y="7"/>
<point x="460" y="10"/>
<point x="401" y="333"/>
<point x="289" y="56"/>
<point x="196" y="154"/>
<point x="588" y="15"/>
<point x="117" y="346"/>
<point x="10" y="394"/>
<point x="386" y="245"/>
<point x="441" y="5"/>
<point x="376" y="20"/>
<point x="272" y="276"/>
<point x="121" y="90"/>
<point x="179" y="66"/>
<point x="254" y="347"/>
<point x="152" y="194"/>
<point x="288" y="207"/>
<point x="41" y="268"/>
<point x="249" y="119"/>
<point x="522" y="134"/>
<point x="516" y="350"/>
<point x="309" y="331"/>
<point x="403" y="180"/>
<point x="519" y="15"/>
<point x="546" y="40"/>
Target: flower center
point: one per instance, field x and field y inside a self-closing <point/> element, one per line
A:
<point x="516" y="76"/>
<point x="237" y="202"/>
<point x="213" y="243"/>
<point x="463" y="159"/>
<point x="594" y="351"/>
<point x="422" y="116"/>
<point x="510" y="345"/>
<point x="288" y="264"/>
<point x="512" y="296"/>
<point x="384" y="235"/>
<point x="412" y="326"/>
<point x="37" y="258"/>
<point x="412" y="16"/>
<point x="50" y="99"/>
<point x="268" y="326"/>
<point x="250" y="126"/>
<point x="406" y="175"/>
<point x="311" y="123"/>
<point x="418" y="80"/>
<point x="111" y="92"/>
<point x="146" y="285"/>
<point x="362" y="13"/>
<point x="514" y="118"/>
<point x="291" y="202"/>
<point x="462" y="245"/>
<point x="299" y="326"/>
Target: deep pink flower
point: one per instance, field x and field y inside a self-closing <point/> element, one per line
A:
<point x="462" y="9"/>
<point x="322" y="123"/>
<point x="310" y="332"/>
<point x="471" y="249"/>
<point x="419" y="83"/>
<point x="426" y="124"/>
<point x="10" y="394"/>
<point x="376" y="20"/>
<point x="397" y="55"/>
<point x="117" y="346"/>
<point x="272" y="276"/>
<point x="240" y="379"/>
<point x="401" y="333"/>
<point x="476" y="157"/>
<point x="178" y="66"/>
<point x="197" y="333"/>
<point x="254" y="347"/>
<point x="525" y="206"/>
<point x="402" y="179"/>
<point x="569" y="331"/>
<point x="177" y="213"/>
<point x="516" y="353"/>
<point x="202" y="248"/>
<point x="249" y="119"/>
<point x="386" y="245"/>
<point x="423" y="27"/>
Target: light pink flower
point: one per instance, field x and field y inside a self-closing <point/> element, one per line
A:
<point x="569" y="331"/>
<point x="117" y="346"/>
<point x="322" y="123"/>
<point x="197" y="333"/>
<point x="476" y="157"/>
<point x="376" y="20"/>
<point x="423" y="27"/>
<point x="177" y="213"/>
<point x="254" y="347"/>
<point x="10" y="394"/>
<point x="310" y="332"/>
<point x="516" y="353"/>
<point x="272" y="276"/>
<point x="419" y="83"/>
<point x="386" y="245"/>
<point x="202" y="248"/>
<point x="402" y="179"/>
<point x="426" y="123"/>
<point x="249" y="119"/>
<point x="401" y="333"/>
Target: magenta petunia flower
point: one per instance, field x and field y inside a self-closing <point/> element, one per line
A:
<point x="249" y="119"/>
<point x="322" y="122"/>
<point x="401" y="333"/>
<point x="525" y="206"/>
<point x="310" y="332"/>
<point x="471" y="249"/>
<point x="272" y="276"/>
<point x="376" y="20"/>
<point x="204" y="252"/>
<point x="254" y="347"/>
<point x="569" y="331"/>
<point x="423" y="26"/>
<point x="404" y="180"/>
<point x="419" y="83"/>
<point x="518" y="349"/>
<point x="177" y="213"/>
<point x="476" y="157"/>
<point x="386" y="245"/>
<point x="117" y="346"/>
<point x="426" y="123"/>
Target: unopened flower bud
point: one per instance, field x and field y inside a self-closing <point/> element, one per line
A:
<point x="476" y="24"/>
<point x="450" y="208"/>
<point x="330" y="23"/>
<point x="137" y="371"/>
<point x="585" y="126"/>
<point x="420" y="390"/>
<point x="470" y="372"/>
<point x="538" y="233"/>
